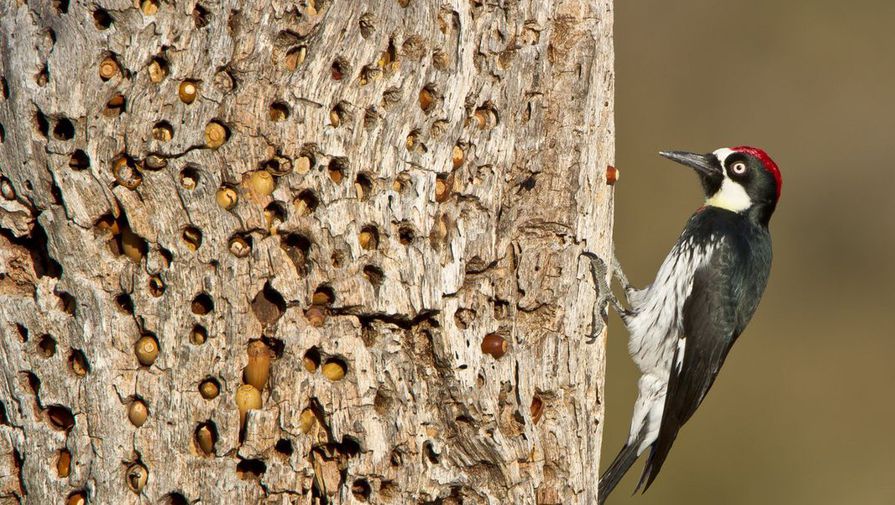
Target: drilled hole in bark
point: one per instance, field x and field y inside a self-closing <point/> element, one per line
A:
<point x="406" y="234"/>
<point x="42" y="77"/>
<point x="335" y="369"/>
<point x="338" y="69"/>
<point x="295" y="57"/>
<point x="363" y="186"/>
<point x="189" y="179"/>
<point x="102" y="19"/>
<point x="77" y="363"/>
<point x="41" y="125"/>
<point x="188" y="91"/>
<point x="337" y="169"/>
<point x="284" y="447"/>
<point x="79" y="160"/>
<point x="311" y="359"/>
<point x="162" y="131"/>
<point x="158" y="69"/>
<point x="192" y="238"/>
<point x="115" y="106"/>
<point x="209" y="388"/>
<point x="396" y="458"/>
<point x="202" y="304"/>
<point x="298" y="248"/>
<point x="4" y="88"/>
<point x="306" y="202"/>
<point x="275" y="215"/>
<point x="61" y="417"/>
<point x="108" y="67"/>
<point x="367" y="25"/>
<point x="240" y="245"/>
<point x="47" y="346"/>
<point x="279" y="111"/>
<point x="305" y="162"/>
<point x="200" y="16"/>
<point x="248" y="469"/>
<point x="67" y="302"/>
<point x="368" y="238"/>
<point x="64" y="129"/>
<point x="268" y="305"/>
<point x="206" y="436"/>
<point x="324" y="296"/>
<point x="23" y="332"/>
<point x="76" y="498"/>
<point x="361" y="489"/>
<point x="374" y="274"/>
<point x="156" y="286"/>
<point x="63" y="463"/>
<point x="485" y="117"/>
<point x="430" y="454"/>
<point x="4" y="420"/>
<point x="427" y="98"/>
<point x="125" y="303"/>
<point x="198" y="335"/>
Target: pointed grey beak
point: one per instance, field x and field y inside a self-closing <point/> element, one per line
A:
<point x="706" y="164"/>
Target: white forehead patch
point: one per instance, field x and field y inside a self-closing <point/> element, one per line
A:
<point x="732" y="195"/>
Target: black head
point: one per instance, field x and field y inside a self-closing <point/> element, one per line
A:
<point x="740" y="179"/>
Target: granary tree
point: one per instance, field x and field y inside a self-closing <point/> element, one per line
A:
<point x="280" y="251"/>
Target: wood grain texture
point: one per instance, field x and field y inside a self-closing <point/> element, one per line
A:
<point x="410" y="176"/>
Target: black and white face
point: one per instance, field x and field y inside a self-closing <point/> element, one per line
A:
<point x="743" y="181"/>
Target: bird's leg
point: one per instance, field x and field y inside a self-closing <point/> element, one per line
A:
<point x="619" y="274"/>
<point x="605" y="296"/>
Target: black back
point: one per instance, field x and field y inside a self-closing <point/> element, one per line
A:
<point x="725" y="294"/>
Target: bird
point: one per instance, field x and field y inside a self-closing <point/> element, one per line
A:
<point x="682" y="326"/>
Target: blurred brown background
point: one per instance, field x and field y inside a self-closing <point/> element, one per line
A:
<point x="804" y="410"/>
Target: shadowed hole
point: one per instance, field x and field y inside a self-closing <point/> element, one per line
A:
<point x="64" y="129"/>
<point x="202" y="304"/>
<point x="47" y="346"/>
<point x="284" y="447"/>
<point x="102" y="19"/>
<point x="79" y="160"/>
<point x="248" y="469"/>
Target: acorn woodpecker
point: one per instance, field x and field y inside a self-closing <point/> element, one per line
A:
<point x="683" y="324"/>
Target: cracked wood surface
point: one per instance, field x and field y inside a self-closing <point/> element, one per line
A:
<point x="334" y="201"/>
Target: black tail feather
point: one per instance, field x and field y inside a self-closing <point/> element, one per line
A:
<point x="620" y="465"/>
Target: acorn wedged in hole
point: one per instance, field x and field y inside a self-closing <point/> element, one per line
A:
<point x="146" y="350"/>
<point x="63" y="463"/>
<point x="260" y="182"/>
<point x="226" y="198"/>
<point x="209" y="389"/>
<point x="205" y="439"/>
<point x="137" y="412"/>
<point x="188" y="91"/>
<point x="495" y="345"/>
<point x="136" y="477"/>
<point x="257" y="371"/>
<point x="334" y="370"/>
<point x="247" y="398"/>
<point x="215" y="135"/>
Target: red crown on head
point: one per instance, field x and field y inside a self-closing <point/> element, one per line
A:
<point x="766" y="160"/>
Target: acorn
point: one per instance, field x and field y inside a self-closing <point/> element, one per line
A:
<point x="303" y="164"/>
<point x="239" y="247"/>
<point x="132" y="245"/>
<point x="260" y="182"/>
<point x="226" y="197"/>
<point x="316" y="315"/>
<point x="322" y="297"/>
<point x="247" y="398"/>
<point x="198" y="335"/>
<point x="146" y="350"/>
<point x="495" y="345"/>
<point x="136" y="477"/>
<point x="162" y="132"/>
<point x="187" y="91"/>
<point x="108" y="68"/>
<point x="536" y="409"/>
<point x="209" y="389"/>
<point x="295" y="57"/>
<point x="368" y="238"/>
<point x="156" y="286"/>
<point x="63" y="463"/>
<point x="306" y="421"/>
<point x="215" y="135"/>
<point x="205" y="439"/>
<point x="443" y="186"/>
<point x="77" y="498"/>
<point x="257" y="371"/>
<point x="335" y="118"/>
<point x="149" y="7"/>
<point x="193" y="238"/>
<point x="427" y="99"/>
<point x="188" y="179"/>
<point x="457" y="156"/>
<point x="154" y="162"/>
<point x="334" y="370"/>
<point x="126" y="174"/>
<point x="157" y="70"/>
<point x="612" y="175"/>
<point x="78" y="363"/>
<point x="137" y="412"/>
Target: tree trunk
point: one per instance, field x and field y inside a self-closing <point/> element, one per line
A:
<point x="369" y="212"/>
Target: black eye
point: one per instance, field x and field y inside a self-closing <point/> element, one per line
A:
<point x="738" y="168"/>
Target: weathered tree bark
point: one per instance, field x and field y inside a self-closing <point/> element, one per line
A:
<point x="372" y="212"/>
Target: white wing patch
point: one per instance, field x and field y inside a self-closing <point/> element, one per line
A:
<point x="655" y="334"/>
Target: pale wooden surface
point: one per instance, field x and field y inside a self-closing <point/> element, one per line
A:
<point x="422" y="416"/>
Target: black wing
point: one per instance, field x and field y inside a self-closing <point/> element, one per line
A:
<point x="710" y="328"/>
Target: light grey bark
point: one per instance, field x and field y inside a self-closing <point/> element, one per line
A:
<point x="436" y="170"/>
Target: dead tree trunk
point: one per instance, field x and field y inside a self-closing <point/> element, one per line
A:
<point x="261" y="251"/>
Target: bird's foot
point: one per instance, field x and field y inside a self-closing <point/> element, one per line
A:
<point x="605" y="296"/>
